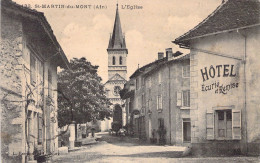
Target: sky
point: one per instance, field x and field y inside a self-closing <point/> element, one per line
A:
<point x="85" y="32"/>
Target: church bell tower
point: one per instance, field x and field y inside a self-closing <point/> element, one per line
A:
<point x="117" y="51"/>
<point x="117" y="73"/>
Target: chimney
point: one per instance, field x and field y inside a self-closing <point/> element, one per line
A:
<point x="160" y="55"/>
<point x="178" y="53"/>
<point x="168" y="53"/>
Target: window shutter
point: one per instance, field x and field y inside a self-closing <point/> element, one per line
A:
<point x="179" y="98"/>
<point x="33" y="69"/>
<point x="210" y="125"/>
<point x="160" y="102"/>
<point x="39" y="130"/>
<point x="236" y="124"/>
<point x="157" y="103"/>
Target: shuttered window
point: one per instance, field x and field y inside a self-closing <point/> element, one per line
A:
<point x="159" y="102"/>
<point x="143" y="100"/>
<point x="179" y="98"/>
<point x="210" y="125"/>
<point x="149" y="83"/>
<point x="49" y="83"/>
<point x="183" y="98"/>
<point x="136" y="84"/>
<point x="186" y="98"/>
<point x="223" y="124"/>
<point x="33" y="69"/>
<point x="159" y="77"/>
<point x="40" y="83"/>
<point x="186" y="71"/>
<point x="39" y="130"/>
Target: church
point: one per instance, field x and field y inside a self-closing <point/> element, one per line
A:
<point x="117" y="73"/>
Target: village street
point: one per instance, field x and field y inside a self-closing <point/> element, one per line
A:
<point x="125" y="149"/>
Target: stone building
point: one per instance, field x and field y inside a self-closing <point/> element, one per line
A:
<point x="224" y="68"/>
<point x="29" y="59"/>
<point x="160" y="99"/>
<point x="117" y="72"/>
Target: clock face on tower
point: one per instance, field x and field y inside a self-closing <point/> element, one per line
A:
<point x="117" y="90"/>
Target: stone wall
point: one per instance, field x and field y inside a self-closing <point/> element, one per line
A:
<point x="12" y="104"/>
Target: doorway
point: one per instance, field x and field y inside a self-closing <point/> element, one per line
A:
<point x="186" y="130"/>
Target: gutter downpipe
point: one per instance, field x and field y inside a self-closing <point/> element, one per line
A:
<point x="245" y="88"/>
<point x="170" y="104"/>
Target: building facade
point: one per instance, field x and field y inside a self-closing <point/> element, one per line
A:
<point x="159" y="103"/>
<point x="29" y="59"/>
<point x="117" y="73"/>
<point x="224" y="109"/>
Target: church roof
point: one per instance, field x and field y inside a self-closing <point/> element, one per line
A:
<point x="230" y="15"/>
<point x="116" y="77"/>
<point x="117" y="40"/>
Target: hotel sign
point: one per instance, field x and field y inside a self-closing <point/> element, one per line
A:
<point x="218" y="71"/>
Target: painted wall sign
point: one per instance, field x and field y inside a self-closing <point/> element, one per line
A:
<point x="219" y="88"/>
<point x="217" y="71"/>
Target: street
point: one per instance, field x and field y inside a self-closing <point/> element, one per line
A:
<point x="124" y="149"/>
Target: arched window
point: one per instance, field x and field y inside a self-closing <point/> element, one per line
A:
<point x="120" y="60"/>
<point x="114" y="60"/>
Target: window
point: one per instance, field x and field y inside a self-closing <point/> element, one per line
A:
<point x="186" y="98"/>
<point x="148" y="104"/>
<point x="130" y="107"/>
<point x="49" y="83"/>
<point x="33" y="69"/>
<point x="186" y="71"/>
<point x="117" y="90"/>
<point x="160" y="123"/>
<point x="149" y="93"/>
<point x="223" y="124"/>
<point x="183" y="98"/>
<point x="120" y="60"/>
<point x="143" y="81"/>
<point x="159" y="77"/>
<point x="114" y="60"/>
<point x="39" y="130"/>
<point x="137" y="83"/>
<point x="143" y="100"/>
<point x="40" y="83"/>
<point x="159" y="102"/>
<point x="149" y="82"/>
<point x="137" y="102"/>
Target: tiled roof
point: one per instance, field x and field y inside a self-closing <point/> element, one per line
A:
<point x="230" y="15"/>
<point x="174" y="60"/>
<point x="158" y="63"/>
<point x="142" y="69"/>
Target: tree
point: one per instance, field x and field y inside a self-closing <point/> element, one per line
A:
<point x="81" y="96"/>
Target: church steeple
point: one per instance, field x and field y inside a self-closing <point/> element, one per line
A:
<point x="117" y="51"/>
<point x="117" y="40"/>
